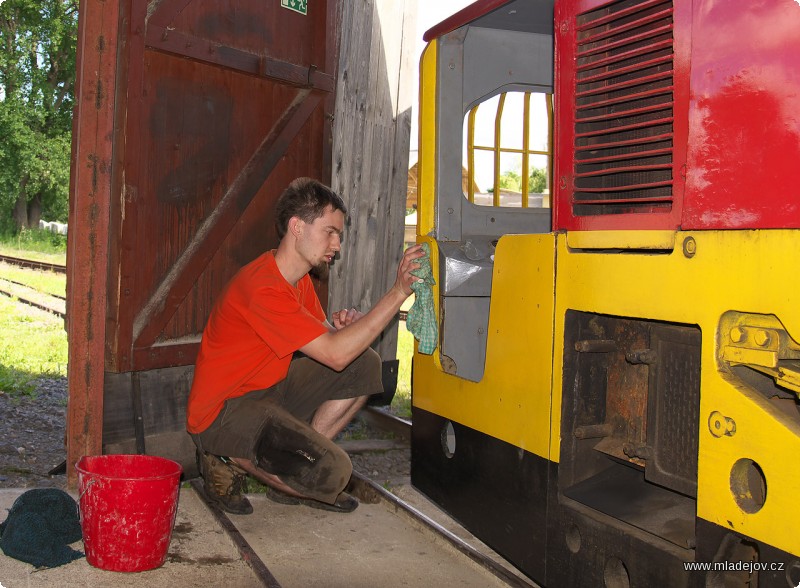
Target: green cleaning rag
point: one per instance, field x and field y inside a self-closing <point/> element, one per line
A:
<point x="421" y="320"/>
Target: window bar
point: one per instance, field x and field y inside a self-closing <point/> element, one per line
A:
<point x="549" y="102"/>
<point x="471" y="154"/>
<point x="497" y="119"/>
<point x="526" y="144"/>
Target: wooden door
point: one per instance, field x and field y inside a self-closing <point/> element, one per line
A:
<point x="191" y="118"/>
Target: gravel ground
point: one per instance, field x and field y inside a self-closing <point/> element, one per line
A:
<point x="32" y="438"/>
<point x="33" y="433"/>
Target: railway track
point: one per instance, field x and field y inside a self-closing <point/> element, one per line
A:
<point x="372" y="493"/>
<point x="32" y="264"/>
<point x="30" y="295"/>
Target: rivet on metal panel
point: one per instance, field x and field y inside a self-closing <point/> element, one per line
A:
<point x="720" y="425"/>
<point x="689" y="247"/>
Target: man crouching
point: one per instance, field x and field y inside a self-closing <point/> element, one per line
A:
<point x="274" y="381"/>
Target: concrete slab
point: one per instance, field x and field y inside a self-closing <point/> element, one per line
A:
<point x="200" y="554"/>
<point x="372" y="546"/>
<point x="377" y="545"/>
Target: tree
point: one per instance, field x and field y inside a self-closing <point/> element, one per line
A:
<point x="37" y="80"/>
<point x="537" y="182"/>
<point x="510" y="180"/>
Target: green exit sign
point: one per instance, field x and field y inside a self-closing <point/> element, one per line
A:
<point x="300" y="6"/>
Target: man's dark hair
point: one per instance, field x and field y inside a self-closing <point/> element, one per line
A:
<point x="306" y="199"/>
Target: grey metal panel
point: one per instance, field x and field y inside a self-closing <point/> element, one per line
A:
<point x="533" y="16"/>
<point x="450" y="116"/>
<point x="466" y="321"/>
<point x="466" y="268"/>
<point x="527" y="60"/>
<point x="529" y="67"/>
<point x="503" y="221"/>
<point x="465" y="232"/>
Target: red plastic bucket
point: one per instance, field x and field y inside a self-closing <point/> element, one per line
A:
<point x="128" y="505"/>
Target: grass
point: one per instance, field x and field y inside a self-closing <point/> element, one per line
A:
<point x="49" y="282"/>
<point x="35" y="244"/>
<point x="401" y="404"/>
<point x="33" y="344"/>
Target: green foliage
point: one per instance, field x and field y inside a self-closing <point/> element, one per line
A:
<point x="37" y="79"/>
<point x="537" y="182"/>
<point x="512" y="181"/>
<point x="15" y="382"/>
<point x="34" y="244"/>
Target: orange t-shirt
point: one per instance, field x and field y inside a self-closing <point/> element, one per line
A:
<point x="253" y="330"/>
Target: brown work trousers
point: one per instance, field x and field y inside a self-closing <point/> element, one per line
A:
<point x="272" y="427"/>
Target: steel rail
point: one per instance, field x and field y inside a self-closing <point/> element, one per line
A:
<point x="380" y="419"/>
<point x="370" y="492"/>
<point x="33" y="303"/>
<point x="33" y="264"/>
<point x="33" y="288"/>
<point x="245" y="550"/>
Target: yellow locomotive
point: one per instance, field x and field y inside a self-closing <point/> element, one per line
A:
<point x="614" y="396"/>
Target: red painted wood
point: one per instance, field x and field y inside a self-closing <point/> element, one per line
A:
<point x="184" y="119"/>
<point x="201" y="92"/>
<point x="91" y="189"/>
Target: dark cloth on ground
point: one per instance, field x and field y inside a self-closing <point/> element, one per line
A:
<point x="40" y="526"/>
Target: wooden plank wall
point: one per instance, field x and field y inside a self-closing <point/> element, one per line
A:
<point x="371" y="135"/>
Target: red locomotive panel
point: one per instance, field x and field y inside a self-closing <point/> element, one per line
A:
<point x="744" y="120"/>
<point x="669" y="119"/>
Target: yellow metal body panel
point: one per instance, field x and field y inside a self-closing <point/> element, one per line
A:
<point x="426" y="167"/>
<point x="746" y="271"/>
<point x="512" y="401"/>
<point x="621" y="239"/>
<point x="728" y="271"/>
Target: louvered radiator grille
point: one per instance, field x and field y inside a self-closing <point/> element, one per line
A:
<point x="624" y="100"/>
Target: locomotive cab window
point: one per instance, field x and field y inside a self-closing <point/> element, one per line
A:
<point x="507" y="151"/>
<point x="493" y="89"/>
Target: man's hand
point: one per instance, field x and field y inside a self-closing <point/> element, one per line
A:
<point x="345" y="317"/>
<point x="409" y="262"/>
<point x="339" y="346"/>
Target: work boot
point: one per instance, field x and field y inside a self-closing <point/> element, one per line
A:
<point x="224" y="483"/>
